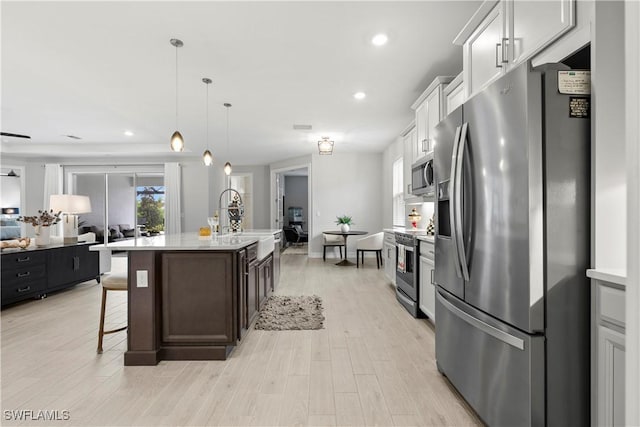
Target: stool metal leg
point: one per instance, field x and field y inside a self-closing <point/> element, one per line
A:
<point x="101" y="327"/>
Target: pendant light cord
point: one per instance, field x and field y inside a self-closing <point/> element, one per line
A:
<point x="228" y="131"/>
<point x="177" y="87"/>
<point x="207" y="115"/>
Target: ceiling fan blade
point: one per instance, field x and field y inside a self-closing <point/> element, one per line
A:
<point x="14" y="135"/>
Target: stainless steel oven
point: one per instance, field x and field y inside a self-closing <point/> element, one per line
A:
<point x="407" y="272"/>
<point x="422" y="179"/>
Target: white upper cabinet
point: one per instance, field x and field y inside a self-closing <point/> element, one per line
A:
<point x="454" y="94"/>
<point x="534" y="24"/>
<point x="503" y="33"/>
<point x="430" y="109"/>
<point x="409" y="156"/>
<point x="484" y="56"/>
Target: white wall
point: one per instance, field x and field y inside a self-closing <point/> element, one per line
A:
<point x="345" y="183"/>
<point x="196" y="192"/>
<point x="296" y="194"/>
<point x="261" y="193"/>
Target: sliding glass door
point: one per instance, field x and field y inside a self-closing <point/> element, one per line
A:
<point x="124" y="205"/>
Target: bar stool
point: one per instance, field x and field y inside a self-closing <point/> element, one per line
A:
<point x="112" y="282"/>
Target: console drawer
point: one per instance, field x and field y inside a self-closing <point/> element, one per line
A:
<point x="23" y="259"/>
<point x="18" y="276"/>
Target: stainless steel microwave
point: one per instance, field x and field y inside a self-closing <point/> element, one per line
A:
<point x="422" y="179"/>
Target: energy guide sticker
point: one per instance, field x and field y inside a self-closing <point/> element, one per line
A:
<point x="574" y="82"/>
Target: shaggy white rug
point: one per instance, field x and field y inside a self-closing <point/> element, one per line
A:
<point x="282" y="312"/>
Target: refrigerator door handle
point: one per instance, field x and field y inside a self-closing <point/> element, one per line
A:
<point x="484" y="327"/>
<point x="452" y="202"/>
<point x="459" y="240"/>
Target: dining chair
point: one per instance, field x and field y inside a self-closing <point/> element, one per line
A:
<point x="330" y="240"/>
<point x="371" y="243"/>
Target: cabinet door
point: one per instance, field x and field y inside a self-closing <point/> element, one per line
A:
<point x="422" y="122"/>
<point x="433" y="118"/>
<point x="611" y="368"/>
<point x="389" y="254"/>
<point x="455" y="98"/>
<point x="262" y="283"/>
<point x="484" y="59"/>
<point x="526" y="34"/>
<point x="252" y="292"/>
<point x="87" y="263"/>
<point x="62" y="265"/>
<point x="407" y="160"/>
<point x="426" y="293"/>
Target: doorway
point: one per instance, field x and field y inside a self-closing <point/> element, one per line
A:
<point x="291" y="209"/>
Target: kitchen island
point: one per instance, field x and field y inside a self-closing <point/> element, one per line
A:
<point x="191" y="298"/>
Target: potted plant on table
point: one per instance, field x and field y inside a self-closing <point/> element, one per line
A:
<point x="345" y="222"/>
<point x="41" y="223"/>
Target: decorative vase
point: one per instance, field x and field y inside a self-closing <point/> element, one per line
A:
<point x="43" y="235"/>
<point x="344" y="228"/>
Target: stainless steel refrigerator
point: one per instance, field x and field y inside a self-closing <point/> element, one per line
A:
<point x="512" y="248"/>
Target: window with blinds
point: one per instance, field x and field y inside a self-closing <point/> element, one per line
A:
<point x="398" y="193"/>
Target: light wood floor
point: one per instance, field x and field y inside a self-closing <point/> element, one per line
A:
<point x="373" y="364"/>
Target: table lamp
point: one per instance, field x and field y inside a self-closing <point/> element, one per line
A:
<point x="70" y="205"/>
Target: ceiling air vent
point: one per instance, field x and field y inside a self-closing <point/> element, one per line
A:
<point x="73" y="137"/>
<point x="302" y="127"/>
<point x="14" y="135"/>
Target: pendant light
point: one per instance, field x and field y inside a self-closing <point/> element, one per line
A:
<point x="207" y="157"/>
<point x="227" y="166"/>
<point x="177" y="142"/>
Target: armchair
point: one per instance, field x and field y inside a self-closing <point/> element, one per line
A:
<point x="295" y="234"/>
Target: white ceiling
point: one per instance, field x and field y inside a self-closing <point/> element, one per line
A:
<point x="96" y="69"/>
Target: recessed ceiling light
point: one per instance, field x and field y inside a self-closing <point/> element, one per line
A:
<point x="128" y="133"/>
<point x="359" y="95"/>
<point x="380" y="39"/>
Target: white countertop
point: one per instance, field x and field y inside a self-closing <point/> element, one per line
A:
<point x="611" y="275"/>
<point x="429" y="238"/>
<point x="418" y="232"/>
<point x="187" y="242"/>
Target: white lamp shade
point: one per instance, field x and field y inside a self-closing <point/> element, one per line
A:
<point x="70" y="203"/>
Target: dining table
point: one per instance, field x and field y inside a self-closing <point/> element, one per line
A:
<point x="345" y="234"/>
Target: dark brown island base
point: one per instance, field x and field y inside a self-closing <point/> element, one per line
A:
<point x="192" y="299"/>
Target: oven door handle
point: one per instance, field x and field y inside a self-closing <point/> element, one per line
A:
<point x="404" y="298"/>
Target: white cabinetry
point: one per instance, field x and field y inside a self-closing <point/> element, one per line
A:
<point x="608" y="353"/>
<point x="426" y="291"/>
<point x="430" y="109"/>
<point x="389" y="255"/>
<point x="454" y="94"/>
<point x="409" y="144"/>
<point x="503" y="33"/>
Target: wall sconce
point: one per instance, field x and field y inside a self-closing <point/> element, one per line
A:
<point x="10" y="211"/>
<point x="325" y="147"/>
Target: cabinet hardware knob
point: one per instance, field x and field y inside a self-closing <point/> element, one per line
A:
<point x="28" y="273"/>
<point x="25" y="259"/>
<point x="25" y="289"/>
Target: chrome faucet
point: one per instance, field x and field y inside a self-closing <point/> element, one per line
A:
<point x="220" y="208"/>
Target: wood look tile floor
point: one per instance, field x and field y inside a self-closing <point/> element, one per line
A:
<point x="373" y="364"/>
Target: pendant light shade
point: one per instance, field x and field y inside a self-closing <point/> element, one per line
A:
<point x="177" y="142"/>
<point x="207" y="157"/>
<point x="227" y="166"/>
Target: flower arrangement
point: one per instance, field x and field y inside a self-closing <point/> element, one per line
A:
<point x="44" y="218"/>
<point x="344" y="219"/>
